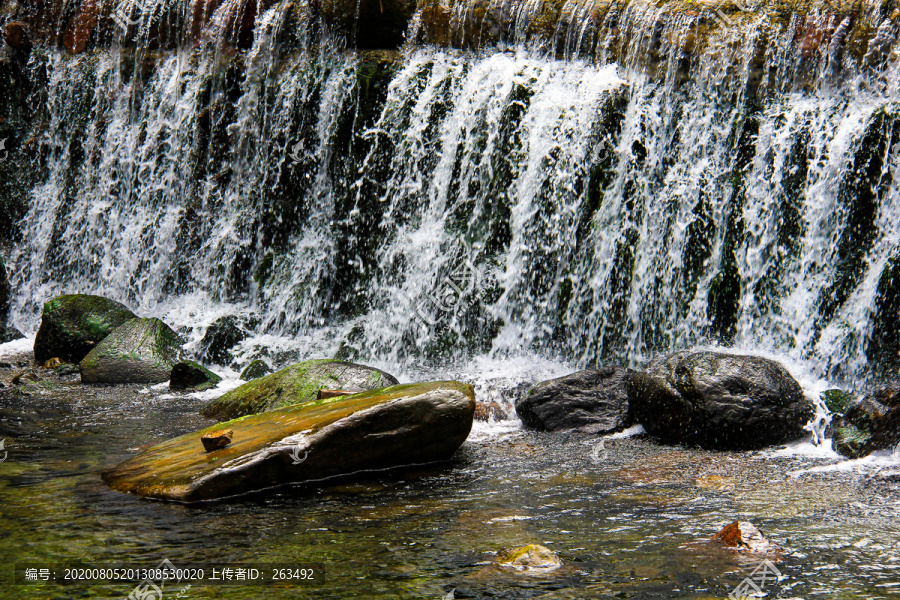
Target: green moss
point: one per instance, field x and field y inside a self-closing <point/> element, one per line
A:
<point x="838" y="401"/>
<point x="291" y="386"/>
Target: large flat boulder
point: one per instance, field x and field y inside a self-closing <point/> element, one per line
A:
<point x="138" y="351"/>
<point x="295" y="385"/>
<point x="72" y="325"/>
<point x="381" y="429"/>
<point x="720" y="401"/>
<point x="594" y="401"/>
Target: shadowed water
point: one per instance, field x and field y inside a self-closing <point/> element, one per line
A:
<point x="618" y="518"/>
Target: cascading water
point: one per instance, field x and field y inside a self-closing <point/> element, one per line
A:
<point x="494" y="203"/>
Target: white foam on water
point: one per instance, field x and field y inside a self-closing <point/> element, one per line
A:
<point x="16" y="347"/>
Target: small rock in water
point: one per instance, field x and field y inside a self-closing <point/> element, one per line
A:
<point x="24" y="377"/>
<point x="189" y="375"/>
<point x="53" y="363"/>
<point x="216" y="440"/>
<point x="485" y="411"/>
<point x="255" y="370"/>
<point x="531" y="559"/>
<point x="743" y="536"/>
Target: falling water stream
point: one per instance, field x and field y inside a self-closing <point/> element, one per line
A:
<point x="501" y="210"/>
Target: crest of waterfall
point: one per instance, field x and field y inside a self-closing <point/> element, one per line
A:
<point x="605" y="193"/>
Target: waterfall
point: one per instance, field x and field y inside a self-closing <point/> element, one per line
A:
<point x="569" y="198"/>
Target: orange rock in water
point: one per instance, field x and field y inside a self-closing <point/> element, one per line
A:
<point x="53" y="363"/>
<point x="485" y="411"/>
<point x="743" y="536"/>
<point x="216" y="440"/>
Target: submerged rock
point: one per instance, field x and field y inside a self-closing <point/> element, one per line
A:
<point x="720" y="401"/>
<point x="869" y="425"/>
<point x="381" y="429"/>
<point x="189" y="375"/>
<point x="589" y="401"/>
<point x="255" y="370"/>
<point x="139" y="351"/>
<point x="72" y="325"/>
<point x="531" y="559"/>
<point x="294" y="385"/>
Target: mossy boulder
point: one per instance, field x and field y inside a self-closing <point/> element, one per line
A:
<point x="255" y="370"/>
<point x="719" y="401"/>
<point x="871" y="424"/>
<point x="72" y="325"/>
<point x="380" y="429"/>
<point x="295" y="385"/>
<point x="138" y="351"/>
<point x="190" y="375"/>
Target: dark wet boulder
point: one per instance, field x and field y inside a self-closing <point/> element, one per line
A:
<point x="295" y="385"/>
<point x="593" y="401"/>
<point x="189" y="375"/>
<point x="222" y="336"/>
<point x="255" y="370"/>
<point x="394" y="427"/>
<point x="138" y="351"/>
<point x="720" y="401"/>
<point x="871" y="424"/>
<point x="72" y="325"/>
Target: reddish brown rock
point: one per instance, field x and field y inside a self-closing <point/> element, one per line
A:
<point x="745" y="537"/>
<point x="81" y="27"/>
<point x="216" y="440"/>
<point x="16" y="35"/>
<point x="485" y="411"/>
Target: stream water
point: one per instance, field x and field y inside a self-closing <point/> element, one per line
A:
<point x="500" y="215"/>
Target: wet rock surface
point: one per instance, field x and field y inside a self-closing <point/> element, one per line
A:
<point x="721" y="401"/>
<point x="397" y="426"/>
<point x="871" y="424"/>
<point x="294" y="385"/>
<point x="190" y="375"/>
<point x="594" y="401"/>
<point x="139" y="351"/>
<point x="72" y="325"/>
